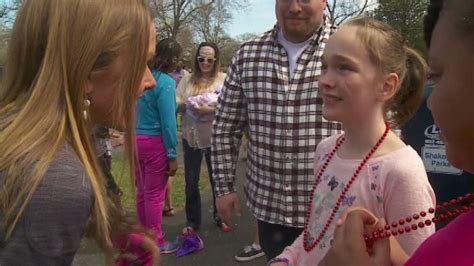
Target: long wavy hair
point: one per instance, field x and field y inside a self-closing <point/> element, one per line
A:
<point x="55" y="46"/>
<point x="196" y="76"/>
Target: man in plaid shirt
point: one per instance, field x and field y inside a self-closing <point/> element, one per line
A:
<point x="272" y="89"/>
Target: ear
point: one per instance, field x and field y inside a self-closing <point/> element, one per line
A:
<point x="88" y="87"/>
<point x="389" y="87"/>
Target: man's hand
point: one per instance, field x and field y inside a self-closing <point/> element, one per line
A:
<point x="173" y="167"/>
<point x="225" y="204"/>
<point x="349" y="246"/>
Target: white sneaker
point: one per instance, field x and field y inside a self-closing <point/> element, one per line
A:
<point x="249" y="253"/>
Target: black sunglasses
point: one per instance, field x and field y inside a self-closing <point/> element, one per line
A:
<point x="209" y="60"/>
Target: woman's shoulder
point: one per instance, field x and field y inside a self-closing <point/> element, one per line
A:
<point x="66" y="177"/>
<point x="66" y="157"/>
<point x="185" y="80"/>
<point x="56" y="217"/>
<point x="221" y="76"/>
<point x="186" y="77"/>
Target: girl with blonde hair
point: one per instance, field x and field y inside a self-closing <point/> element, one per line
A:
<point x="449" y="35"/>
<point x="71" y="64"/>
<point x="371" y="82"/>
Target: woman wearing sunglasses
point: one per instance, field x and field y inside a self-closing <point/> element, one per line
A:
<point x="196" y="98"/>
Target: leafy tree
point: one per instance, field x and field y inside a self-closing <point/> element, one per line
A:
<point x="407" y="17"/>
<point x="228" y="51"/>
<point x="211" y="21"/>
<point x="193" y="21"/>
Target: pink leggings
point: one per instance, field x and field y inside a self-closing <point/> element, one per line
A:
<point x="151" y="180"/>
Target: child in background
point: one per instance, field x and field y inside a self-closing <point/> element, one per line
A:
<point x="370" y="82"/>
<point x="157" y="141"/>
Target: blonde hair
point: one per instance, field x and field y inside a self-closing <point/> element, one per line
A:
<point x="389" y="52"/>
<point x="197" y="75"/>
<point x="55" y="46"/>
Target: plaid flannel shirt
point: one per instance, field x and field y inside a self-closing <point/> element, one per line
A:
<point x="285" y="123"/>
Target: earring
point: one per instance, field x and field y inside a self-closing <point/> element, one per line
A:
<point x="87" y="103"/>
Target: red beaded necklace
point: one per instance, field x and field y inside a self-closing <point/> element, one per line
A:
<point x="309" y="245"/>
<point x="445" y="211"/>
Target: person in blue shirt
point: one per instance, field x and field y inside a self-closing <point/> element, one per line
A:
<point x="156" y="141"/>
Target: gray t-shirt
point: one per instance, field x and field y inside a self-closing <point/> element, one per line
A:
<point x="50" y="231"/>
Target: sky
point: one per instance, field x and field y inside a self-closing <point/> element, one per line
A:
<point x="257" y="18"/>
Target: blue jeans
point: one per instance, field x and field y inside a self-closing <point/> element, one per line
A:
<point x="192" y="171"/>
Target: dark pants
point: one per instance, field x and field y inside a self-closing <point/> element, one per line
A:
<point x="192" y="171"/>
<point x="275" y="237"/>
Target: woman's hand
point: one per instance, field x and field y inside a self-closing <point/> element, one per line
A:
<point x="173" y="167"/>
<point x="204" y="109"/>
<point x="349" y="246"/>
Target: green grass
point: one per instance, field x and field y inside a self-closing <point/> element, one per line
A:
<point x="122" y="177"/>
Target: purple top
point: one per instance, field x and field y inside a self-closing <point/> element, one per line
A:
<point x="452" y="245"/>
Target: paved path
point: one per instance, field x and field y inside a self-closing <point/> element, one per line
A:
<point x="219" y="248"/>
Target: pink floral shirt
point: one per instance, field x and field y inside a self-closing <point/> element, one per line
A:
<point x="391" y="186"/>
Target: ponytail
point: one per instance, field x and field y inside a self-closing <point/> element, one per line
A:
<point x="388" y="51"/>
<point x="410" y="94"/>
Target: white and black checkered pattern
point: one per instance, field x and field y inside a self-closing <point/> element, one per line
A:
<point x="285" y="123"/>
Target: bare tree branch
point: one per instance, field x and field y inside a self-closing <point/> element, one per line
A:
<point x="341" y="10"/>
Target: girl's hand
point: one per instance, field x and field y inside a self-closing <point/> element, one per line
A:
<point x="173" y="167"/>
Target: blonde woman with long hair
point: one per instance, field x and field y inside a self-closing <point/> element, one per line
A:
<point x="71" y="64"/>
<point x="194" y="100"/>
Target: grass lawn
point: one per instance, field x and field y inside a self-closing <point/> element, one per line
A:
<point x="124" y="181"/>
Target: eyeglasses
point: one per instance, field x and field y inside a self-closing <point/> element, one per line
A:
<point x="208" y="60"/>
